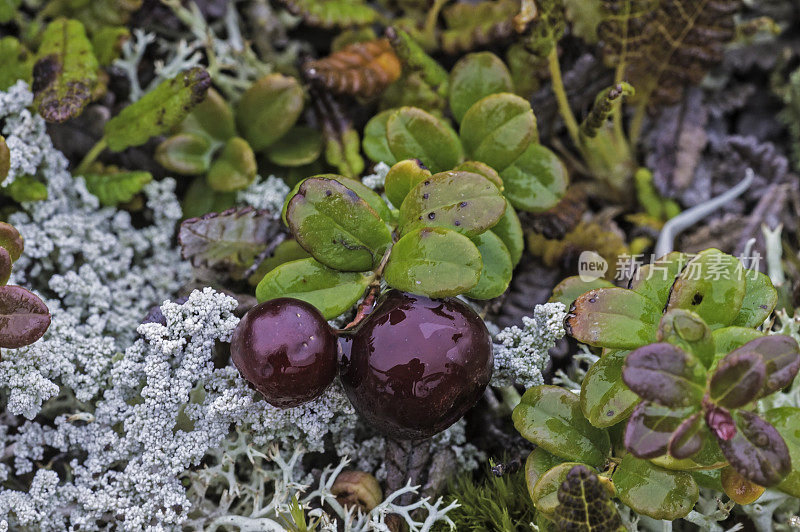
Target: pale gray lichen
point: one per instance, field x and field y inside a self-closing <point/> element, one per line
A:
<point x="377" y="179"/>
<point x="277" y="484"/>
<point x="268" y="194"/>
<point x="521" y="354"/>
<point x="26" y="135"/>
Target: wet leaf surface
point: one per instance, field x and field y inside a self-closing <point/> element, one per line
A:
<point x="757" y="451"/>
<point x="331" y="291"/>
<point x="653" y="491"/>
<point x="461" y="201"/>
<point x="435" y="262"/>
<point x="24" y="318"/>
<point x="551" y="417"/>
<point x="336" y="226"/>
<point x="665" y="374"/>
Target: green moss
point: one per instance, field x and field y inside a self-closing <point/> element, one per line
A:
<point x="499" y="504"/>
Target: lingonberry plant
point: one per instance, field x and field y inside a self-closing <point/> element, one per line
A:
<point x="673" y="401"/>
<point x="454" y="233"/>
<point x="496" y="127"/>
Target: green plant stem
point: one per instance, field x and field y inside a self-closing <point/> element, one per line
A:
<point x="90" y="157"/>
<point x="561" y="97"/>
<point x="430" y="21"/>
<point x="637" y="121"/>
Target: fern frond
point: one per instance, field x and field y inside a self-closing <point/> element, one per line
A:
<point x="663" y="45"/>
<point x="472" y="25"/>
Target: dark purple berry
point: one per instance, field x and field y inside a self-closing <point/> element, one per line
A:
<point x="286" y="350"/>
<point x="416" y="364"/>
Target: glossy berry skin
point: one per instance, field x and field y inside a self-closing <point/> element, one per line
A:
<point x="417" y="364"/>
<point x="286" y="350"/>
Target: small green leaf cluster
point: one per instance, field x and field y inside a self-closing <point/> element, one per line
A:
<point x="496" y="127"/>
<point x="454" y="233"/>
<point x="672" y="398"/>
<point x="24" y="317"/>
<point x="221" y="142"/>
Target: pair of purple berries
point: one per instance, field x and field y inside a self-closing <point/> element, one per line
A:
<point x="411" y="368"/>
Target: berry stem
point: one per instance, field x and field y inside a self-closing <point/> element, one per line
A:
<point x="365" y="307"/>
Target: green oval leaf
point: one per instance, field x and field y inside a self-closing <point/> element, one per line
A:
<point x="376" y="143"/>
<point x="712" y="285"/>
<point x="331" y="291"/>
<point x="613" y="317"/>
<point x="551" y="417"/>
<point x="287" y="251"/>
<point x="537" y="464"/>
<point x="665" y="374"/>
<point x="688" y="331"/>
<point x="234" y="168"/>
<point x="605" y="399"/>
<point x="654" y="492"/>
<point x="727" y="339"/>
<point x="757" y="451"/>
<point x="655" y="280"/>
<point x="536" y="180"/>
<point x="212" y="117"/>
<point x="65" y="75"/>
<point x="158" y="111"/>
<point x="571" y="288"/>
<point x="435" y="262"/>
<point x="461" y="201"/>
<point x="269" y="109"/>
<point x="497" y="267"/>
<point x="498" y="129"/>
<point x="372" y="198"/>
<point x="477" y="167"/>
<point x="760" y="298"/>
<point x="545" y="491"/>
<point x="185" y="154"/>
<point x="402" y="178"/>
<point x="300" y="145"/>
<point x="475" y="76"/>
<point x="414" y="134"/>
<point x="509" y="229"/>
<point x="336" y="226"/>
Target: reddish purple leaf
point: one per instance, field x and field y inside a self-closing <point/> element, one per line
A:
<point x="757" y="450"/>
<point x="739" y="378"/>
<point x="24" y="317"/>
<point x="665" y="374"/>
<point x="688" y="438"/>
<point x="650" y="428"/>
<point x="781" y="355"/>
